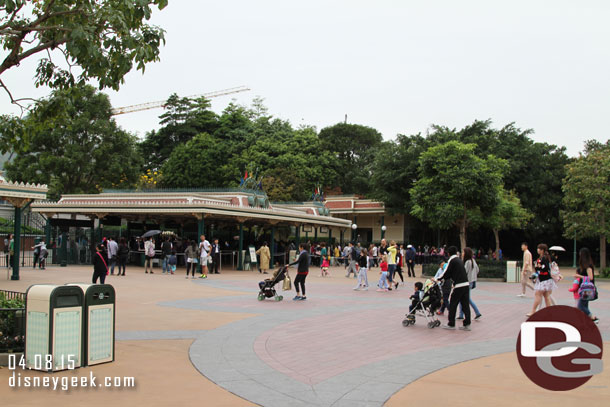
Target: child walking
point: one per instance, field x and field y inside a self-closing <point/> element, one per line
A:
<point x="363" y="279"/>
<point x="574" y="290"/>
<point x="325" y="263"/>
<point x="383" y="280"/>
<point x="172" y="262"/>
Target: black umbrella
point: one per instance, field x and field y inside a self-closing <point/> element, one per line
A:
<point x="151" y="233"/>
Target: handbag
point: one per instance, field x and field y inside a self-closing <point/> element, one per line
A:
<point x="287" y="283"/>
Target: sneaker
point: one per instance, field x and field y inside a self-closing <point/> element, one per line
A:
<point x="449" y="327"/>
<point x="478" y="317"/>
<point x="365" y="288"/>
<point x="296" y="298"/>
<point x="302" y="298"/>
<point x="439" y="313"/>
<point x="192" y="277"/>
<point x="146" y="272"/>
<point x="465" y="328"/>
<point x="596" y="320"/>
<point x="203" y="276"/>
<point x="356" y="288"/>
<point x="187" y="277"/>
<point x="520" y="295"/>
<point x="151" y="272"/>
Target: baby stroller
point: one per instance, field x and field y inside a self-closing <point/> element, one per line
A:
<point x="427" y="306"/>
<point x="267" y="287"/>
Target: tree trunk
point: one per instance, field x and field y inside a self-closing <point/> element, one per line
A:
<point x="463" y="233"/>
<point x="602" y="252"/>
<point x="497" y="236"/>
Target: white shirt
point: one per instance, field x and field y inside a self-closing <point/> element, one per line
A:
<point x="205" y="248"/>
<point x="113" y="248"/>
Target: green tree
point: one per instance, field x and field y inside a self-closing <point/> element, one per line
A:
<point x="353" y="147"/>
<point x="456" y="185"/>
<point x="395" y="170"/>
<point x="72" y="144"/>
<point x="587" y="196"/>
<point x="182" y="120"/>
<point x="199" y="163"/>
<point x="102" y="39"/>
<point x="507" y="214"/>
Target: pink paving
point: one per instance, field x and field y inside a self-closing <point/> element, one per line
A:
<point x="338" y="342"/>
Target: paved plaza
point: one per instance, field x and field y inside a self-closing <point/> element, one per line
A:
<point x="210" y="342"/>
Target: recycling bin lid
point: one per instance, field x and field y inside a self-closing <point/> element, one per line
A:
<point x="96" y="293"/>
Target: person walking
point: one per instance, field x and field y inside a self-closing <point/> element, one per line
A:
<point x="410" y="257"/>
<point x="383" y="273"/>
<point x="472" y="270"/>
<point x="363" y="263"/>
<point x="544" y="282"/>
<point x="123" y="255"/>
<point x="445" y="287"/>
<point x="44" y="253"/>
<point x="373" y="256"/>
<point x="100" y="265"/>
<point x="204" y="252"/>
<point x="166" y="251"/>
<point x="112" y="249"/>
<point x="191" y="258"/>
<point x="302" y="272"/>
<point x="215" y="257"/>
<point x="457" y="272"/>
<point x="526" y="269"/>
<point x="325" y="263"/>
<point x="353" y="255"/>
<point x="392" y="251"/>
<point x="149" y="252"/>
<point x="265" y="254"/>
<point x="586" y="269"/>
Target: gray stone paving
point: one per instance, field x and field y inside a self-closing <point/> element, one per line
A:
<point x="226" y="356"/>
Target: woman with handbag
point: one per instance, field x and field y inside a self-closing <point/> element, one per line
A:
<point x="586" y="269"/>
<point x="100" y="265"/>
<point x="191" y="258"/>
<point x="472" y="270"/>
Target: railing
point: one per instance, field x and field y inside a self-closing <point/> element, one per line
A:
<point x="182" y="190"/>
<point x="12" y="295"/>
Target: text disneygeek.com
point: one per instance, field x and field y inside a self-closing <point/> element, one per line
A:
<point x="17" y="380"/>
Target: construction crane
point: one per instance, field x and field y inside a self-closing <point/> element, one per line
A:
<point x="154" y="105"/>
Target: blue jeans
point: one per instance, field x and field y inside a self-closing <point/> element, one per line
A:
<point x="583" y="305"/>
<point x="166" y="266"/>
<point x="112" y="264"/>
<point x="391" y="270"/>
<point x="472" y="304"/>
<point x="363" y="279"/>
<point x="383" y="281"/>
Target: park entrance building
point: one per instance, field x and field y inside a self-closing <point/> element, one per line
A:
<point x="237" y="217"/>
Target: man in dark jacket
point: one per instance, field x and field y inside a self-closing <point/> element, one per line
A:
<point x="100" y="264"/>
<point x="461" y="291"/>
<point x="215" y="257"/>
<point x="410" y="260"/>
<point x="302" y="271"/>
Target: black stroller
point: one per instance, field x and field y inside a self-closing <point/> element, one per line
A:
<point x="267" y="287"/>
<point x="427" y="306"/>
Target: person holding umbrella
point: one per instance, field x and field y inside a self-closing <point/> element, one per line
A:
<point x="149" y="249"/>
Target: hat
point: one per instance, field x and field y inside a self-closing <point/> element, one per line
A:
<point x="409" y="247"/>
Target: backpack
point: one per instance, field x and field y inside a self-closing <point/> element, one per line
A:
<point x="587" y="290"/>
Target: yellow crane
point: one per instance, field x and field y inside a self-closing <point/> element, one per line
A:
<point x="154" y="105"/>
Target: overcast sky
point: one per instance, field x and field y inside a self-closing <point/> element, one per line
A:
<point x="397" y="66"/>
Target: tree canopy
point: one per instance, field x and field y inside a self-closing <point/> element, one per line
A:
<point x="454" y="184"/>
<point x="98" y="40"/>
<point x="70" y="142"/>
<point x="587" y="196"/>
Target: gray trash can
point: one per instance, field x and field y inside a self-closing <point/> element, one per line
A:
<point x="54" y="326"/>
<point x="98" y="323"/>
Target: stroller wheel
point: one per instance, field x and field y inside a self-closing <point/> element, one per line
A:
<point x="278" y="298"/>
<point x="437" y="324"/>
<point x="281" y="297"/>
<point x="261" y="297"/>
<point x="406" y="322"/>
<point x="431" y="324"/>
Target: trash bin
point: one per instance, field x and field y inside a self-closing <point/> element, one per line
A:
<point x="98" y="323"/>
<point x="511" y="272"/>
<point x="53" y="333"/>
